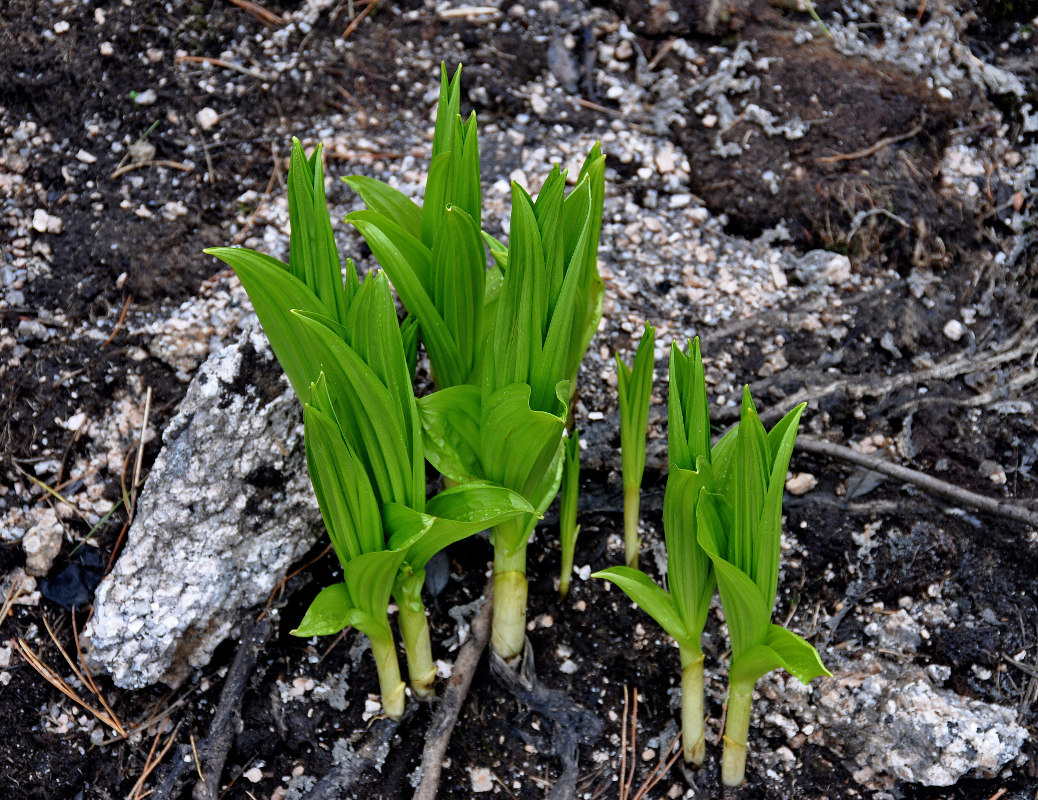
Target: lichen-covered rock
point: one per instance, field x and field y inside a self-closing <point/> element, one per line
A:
<point x="226" y="509"/>
<point x="893" y="723"/>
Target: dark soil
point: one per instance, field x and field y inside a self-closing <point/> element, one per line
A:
<point x="984" y="563"/>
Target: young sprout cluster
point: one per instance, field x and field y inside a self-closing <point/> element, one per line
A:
<point x="504" y="346"/>
<point x="505" y="342"/>
<point x="722" y="520"/>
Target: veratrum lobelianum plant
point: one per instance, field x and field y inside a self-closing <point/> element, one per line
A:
<point x="509" y="429"/>
<point x="634" y="388"/>
<point x="503" y="343"/>
<point x="692" y="468"/>
<point x="740" y="530"/>
<point x="341" y="347"/>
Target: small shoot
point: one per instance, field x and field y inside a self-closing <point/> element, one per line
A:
<point x="568" y="495"/>
<point x="509" y="429"/>
<point x="635" y="393"/>
<point x="740" y="531"/>
<point x="434" y="254"/>
<point x="682" y="612"/>
<point x="348" y="357"/>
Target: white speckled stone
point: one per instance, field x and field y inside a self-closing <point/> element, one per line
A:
<point x="226" y="509"/>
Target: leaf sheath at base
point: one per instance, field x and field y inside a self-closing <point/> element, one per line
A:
<point x="632" y="541"/>
<point x="510" y="589"/>
<point x="389" y="680"/>
<point x="736" y="732"/>
<point x="692" y="736"/>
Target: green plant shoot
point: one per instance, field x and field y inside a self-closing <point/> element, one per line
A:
<point x="509" y="430"/>
<point x="568" y="494"/>
<point x="635" y="394"/>
<point x="682" y="612"/>
<point x="353" y="347"/>
<point x="740" y="531"/>
<point x="434" y="254"/>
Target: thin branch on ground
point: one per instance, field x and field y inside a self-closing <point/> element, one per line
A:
<point x="62" y="686"/>
<point x="182" y="166"/>
<point x="153" y="762"/>
<point x="438" y="735"/>
<point x="340" y="780"/>
<point x="661" y="769"/>
<point x="219" y="62"/>
<point x="267" y="17"/>
<point x="119" y="322"/>
<point x="949" y="491"/>
<point x="873" y="148"/>
<point x="224" y="725"/>
<point x="355" y="23"/>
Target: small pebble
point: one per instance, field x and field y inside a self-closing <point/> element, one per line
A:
<point x="145" y="98"/>
<point x="954" y="330"/>
<point x="207" y="118"/>
<point x="482" y="781"/>
<point x="801" y="483"/>
<point x="254" y="775"/>
<point x="61" y="26"/>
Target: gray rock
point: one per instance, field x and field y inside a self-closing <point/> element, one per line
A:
<point x="226" y="509"/>
<point x="891" y="723"/>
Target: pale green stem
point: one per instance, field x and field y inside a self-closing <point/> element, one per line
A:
<point x="736" y="732"/>
<point x="414" y="629"/>
<point x="692" y="735"/>
<point x="509" y="628"/>
<point x="388" y="676"/>
<point x="632" y="542"/>
<point x="569" y="546"/>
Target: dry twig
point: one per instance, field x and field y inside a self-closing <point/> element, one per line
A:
<point x="119" y="322"/>
<point x="438" y="735"/>
<point x="933" y="485"/>
<point x="219" y="62"/>
<point x="183" y="167"/>
<point x="874" y="148"/>
<point x="267" y="17"/>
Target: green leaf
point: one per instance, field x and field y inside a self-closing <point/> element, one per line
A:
<point x="593" y="288"/>
<point x="498" y="249"/>
<point x="749" y="487"/>
<point x="635" y="394"/>
<point x="769" y="528"/>
<point x="451" y="423"/>
<point x="367" y="414"/>
<point x="783" y="650"/>
<point x="389" y="202"/>
<point x="409" y="265"/>
<point x="274" y="292"/>
<point x="343" y="490"/>
<point x="653" y="601"/>
<point x="568" y="496"/>
<point x="459" y="272"/>
<point x="745" y="609"/>
<point x="313" y="256"/>
<point x="369" y="579"/>
<point x="689" y="571"/>
<point x="517" y="444"/>
<point x="721" y="456"/>
<point x="451" y="516"/>
<point x="517" y="333"/>
<point x="328" y="614"/>
<point x="409" y="336"/>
